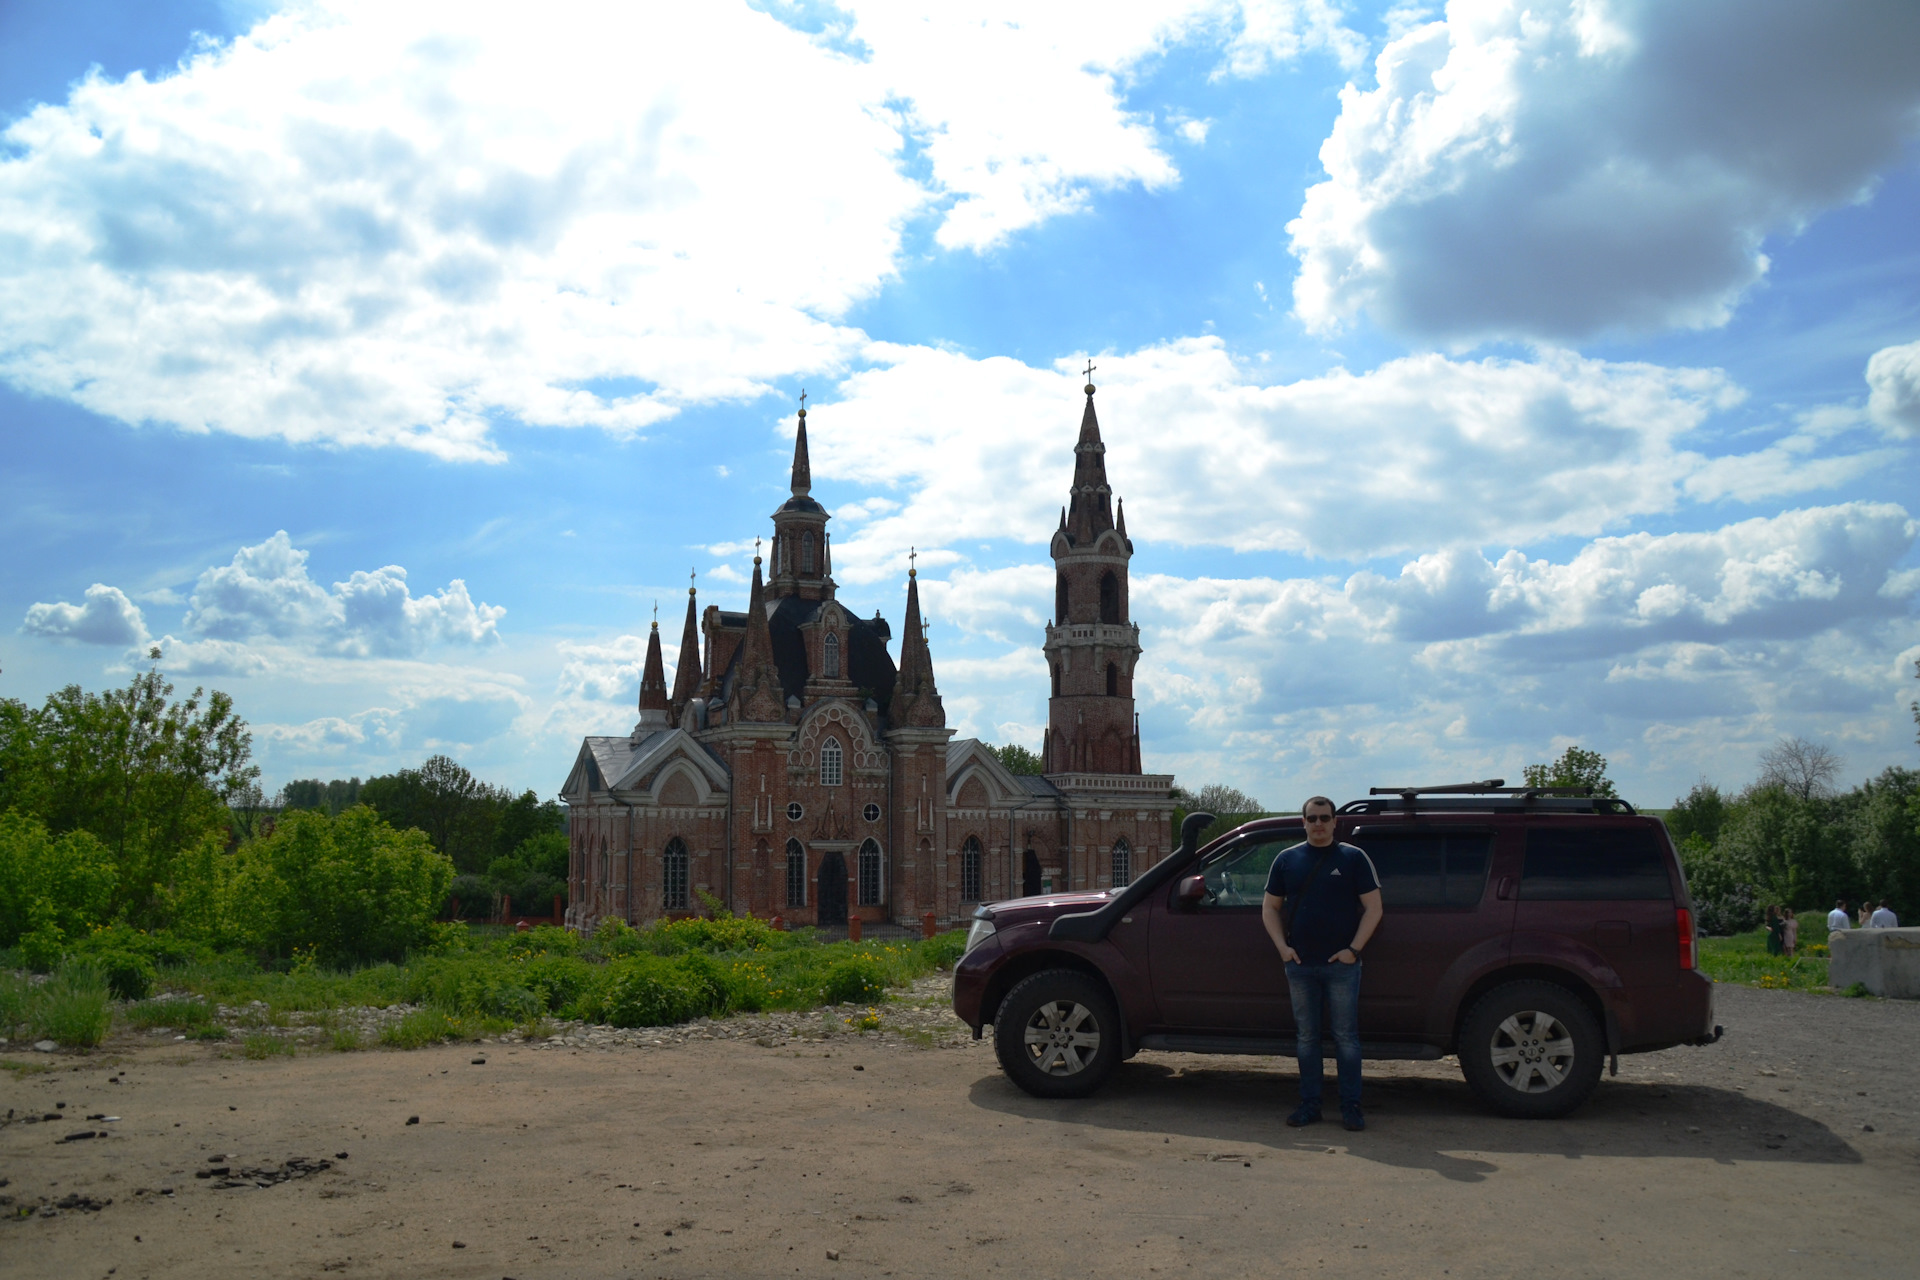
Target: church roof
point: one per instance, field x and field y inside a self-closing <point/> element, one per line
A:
<point x="869" y="666"/>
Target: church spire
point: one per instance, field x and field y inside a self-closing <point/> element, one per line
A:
<point x="1091" y="511"/>
<point x="653" y="686"/>
<point x="757" y="694"/>
<point x="916" y="699"/>
<point x="802" y="469"/>
<point x="686" y="673"/>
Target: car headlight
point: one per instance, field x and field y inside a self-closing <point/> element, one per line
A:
<point x="981" y="931"/>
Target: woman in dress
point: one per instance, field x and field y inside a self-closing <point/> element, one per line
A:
<point x="1789" y="931"/>
<point x="1774" y="931"/>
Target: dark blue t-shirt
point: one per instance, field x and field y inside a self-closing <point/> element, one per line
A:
<point x="1327" y="917"/>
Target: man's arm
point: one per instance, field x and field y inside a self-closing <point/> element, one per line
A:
<point x="1270" y="906"/>
<point x="1370" y="913"/>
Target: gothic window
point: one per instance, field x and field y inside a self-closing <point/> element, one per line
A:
<point x="673" y="878"/>
<point x="1122" y="863"/>
<point x="806" y="553"/>
<point x="1060" y="600"/>
<point x="970" y="870"/>
<point x="1056" y="681"/>
<point x="1113" y="681"/>
<point x="796" y="874"/>
<point x="870" y="874"/>
<point x="830" y="762"/>
<point x="830" y="657"/>
<point x="1109" y="598"/>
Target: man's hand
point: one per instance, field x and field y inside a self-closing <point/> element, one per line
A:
<point x="1346" y="955"/>
<point x="1288" y="954"/>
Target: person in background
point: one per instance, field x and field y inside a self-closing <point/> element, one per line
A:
<point x="1883" y="918"/>
<point x="1774" y="933"/>
<point x="1789" y="931"/>
<point x="1866" y="913"/>
<point x="1838" y="921"/>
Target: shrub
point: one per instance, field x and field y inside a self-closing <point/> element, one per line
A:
<point x="655" y="994"/>
<point x="58" y="888"/>
<point x="129" y="976"/>
<point x="72" y="1007"/>
<point x="475" y="896"/>
<point x="351" y="886"/>
<point x="853" y="980"/>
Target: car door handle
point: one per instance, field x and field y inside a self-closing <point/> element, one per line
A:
<point x="1504" y="890"/>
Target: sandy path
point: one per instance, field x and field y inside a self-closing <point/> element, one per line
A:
<point x="912" y="1161"/>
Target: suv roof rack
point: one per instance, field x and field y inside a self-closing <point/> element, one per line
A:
<point x="1498" y="795"/>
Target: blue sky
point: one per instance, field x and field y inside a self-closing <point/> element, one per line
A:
<point x="1479" y="380"/>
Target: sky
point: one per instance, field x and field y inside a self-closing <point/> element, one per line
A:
<point x="1480" y="379"/>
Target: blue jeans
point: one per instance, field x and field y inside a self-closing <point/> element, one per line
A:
<point x="1338" y="985"/>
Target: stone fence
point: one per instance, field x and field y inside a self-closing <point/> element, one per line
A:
<point x="1886" y="961"/>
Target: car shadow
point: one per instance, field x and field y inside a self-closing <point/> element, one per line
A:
<point x="1427" y="1122"/>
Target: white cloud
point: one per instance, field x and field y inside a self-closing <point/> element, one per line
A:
<point x="107" y="617"/>
<point x="378" y="223"/>
<point x="1420" y="452"/>
<point x="1552" y="171"/>
<point x="1893" y="380"/>
<point x="266" y="592"/>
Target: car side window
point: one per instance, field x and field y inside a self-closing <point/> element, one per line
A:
<point x="1588" y="864"/>
<point x="1238" y="877"/>
<point x="1428" y="868"/>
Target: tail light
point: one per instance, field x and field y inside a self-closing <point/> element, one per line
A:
<point x="1683" y="925"/>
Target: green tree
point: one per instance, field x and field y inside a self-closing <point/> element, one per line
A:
<point x="351" y="888"/>
<point x="1576" y="767"/>
<point x="1702" y="812"/>
<point x="59" y="887"/>
<point x="459" y="813"/>
<point x="1884" y="839"/>
<point x="145" y="774"/>
<point x="1019" y="761"/>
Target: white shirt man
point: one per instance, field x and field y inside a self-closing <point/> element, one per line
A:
<point x="1883" y="918"/>
<point x="1838" y="919"/>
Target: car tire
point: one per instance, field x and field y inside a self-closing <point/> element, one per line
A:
<point x="1531" y="1050"/>
<point x="1057" y="1034"/>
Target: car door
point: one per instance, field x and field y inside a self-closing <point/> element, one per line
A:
<point x="1603" y="887"/>
<point x="1214" y="967"/>
<point x="1438" y="903"/>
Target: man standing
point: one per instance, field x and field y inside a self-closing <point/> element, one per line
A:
<point x="1321" y="907"/>
<point x="1837" y="919"/>
<point x="1883" y="918"/>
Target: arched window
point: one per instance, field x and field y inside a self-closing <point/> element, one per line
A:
<point x="673" y="876"/>
<point x="970" y="870"/>
<point x="796" y="874"/>
<point x="1109" y="598"/>
<point x="1060" y="600"/>
<point x="1056" y="681"/>
<point x="830" y="656"/>
<point x="1122" y="863"/>
<point x="830" y="762"/>
<point x="1113" y="681"/>
<point x="806" y="553"/>
<point x="870" y="886"/>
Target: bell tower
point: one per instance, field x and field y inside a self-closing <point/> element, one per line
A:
<point x="802" y="559"/>
<point x="1093" y="643"/>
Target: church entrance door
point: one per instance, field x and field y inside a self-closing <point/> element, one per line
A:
<point x="831" y="900"/>
<point x="1030" y="874"/>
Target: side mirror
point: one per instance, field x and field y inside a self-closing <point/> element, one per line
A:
<point x="1192" y="892"/>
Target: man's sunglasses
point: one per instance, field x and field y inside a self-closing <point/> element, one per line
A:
<point x="1319" y="817"/>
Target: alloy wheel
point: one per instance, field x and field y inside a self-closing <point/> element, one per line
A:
<point x="1532" y="1052"/>
<point x="1062" y="1037"/>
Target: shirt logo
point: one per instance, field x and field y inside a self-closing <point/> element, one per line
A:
<point x="1334" y="872"/>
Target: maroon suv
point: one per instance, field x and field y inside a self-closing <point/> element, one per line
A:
<point x="1531" y="932"/>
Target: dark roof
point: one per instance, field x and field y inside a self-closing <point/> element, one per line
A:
<point x="800" y="502"/>
<point x="869" y="666"/>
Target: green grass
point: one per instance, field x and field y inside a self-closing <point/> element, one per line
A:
<point x="1743" y="958"/>
<point x="261" y="1045"/>
<point x="169" y="1011"/>
<point x="73" y="1008"/>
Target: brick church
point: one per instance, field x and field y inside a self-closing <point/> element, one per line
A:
<point x="796" y="770"/>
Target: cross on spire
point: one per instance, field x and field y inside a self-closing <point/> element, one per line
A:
<point x="756" y="551"/>
<point x="803" y="399"/>
<point x="912" y="555"/>
<point x="1091" y="366"/>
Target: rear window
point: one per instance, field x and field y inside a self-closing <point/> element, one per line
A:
<point x="1583" y="864"/>
<point x="1428" y="868"/>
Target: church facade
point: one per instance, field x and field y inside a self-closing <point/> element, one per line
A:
<point x="796" y="770"/>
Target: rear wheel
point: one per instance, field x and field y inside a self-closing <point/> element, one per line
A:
<point x="1531" y="1050"/>
<point x="1057" y="1034"/>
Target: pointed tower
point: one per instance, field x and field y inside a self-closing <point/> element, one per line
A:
<point x="757" y="695"/>
<point x="802" y="557"/>
<point x="653" y="689"/>
<point x="687" y="674"/>
<point x="1093" y="645"/>
<point x="916" y="699"/>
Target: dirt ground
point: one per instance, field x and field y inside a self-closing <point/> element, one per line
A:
<point x="751" y="1154"/>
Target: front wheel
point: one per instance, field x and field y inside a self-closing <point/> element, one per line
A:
<point x="1057" y="1034"/>
<point x="1531" y="1050"/>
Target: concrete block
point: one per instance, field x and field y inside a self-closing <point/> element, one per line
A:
<point x="1886" y="960"/>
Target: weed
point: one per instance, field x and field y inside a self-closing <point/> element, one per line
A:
<point x="169" y="1011"/>
<point x="262" y="1045"/>
<point x="1858" y="991"/>
<point x="346" y="1039"/>
<point x="73" y="1008"/>
<point x="208" y="1033"/>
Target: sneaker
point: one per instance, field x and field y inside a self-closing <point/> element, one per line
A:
<point x="1303" y="1115"/>
<point x="1353" y="1118"/>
